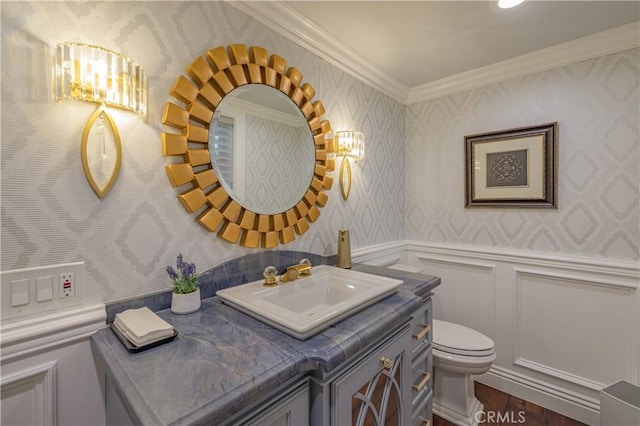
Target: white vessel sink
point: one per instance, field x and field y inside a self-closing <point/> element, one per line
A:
<point x="308" y="305"/>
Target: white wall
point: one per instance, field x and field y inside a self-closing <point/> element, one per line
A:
<point x="556" y="289"/>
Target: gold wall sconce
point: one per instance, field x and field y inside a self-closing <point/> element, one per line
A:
<point x="350" y="144"/>
<point x="107" y="78"/>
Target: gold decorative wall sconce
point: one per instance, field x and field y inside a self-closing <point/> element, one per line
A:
<point x="350" y="144"/>
<point x="94" y="74"/>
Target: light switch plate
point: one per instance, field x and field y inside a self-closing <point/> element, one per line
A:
<point x="35" y="293"/>
<point x="19" y="292"/>
<point x="44" y="288"/>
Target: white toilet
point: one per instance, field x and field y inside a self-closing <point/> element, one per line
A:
<point x="458" y="353"/>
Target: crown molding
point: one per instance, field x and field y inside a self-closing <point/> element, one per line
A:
<point x="600" y="44"/>
<point x="294" y="26"/>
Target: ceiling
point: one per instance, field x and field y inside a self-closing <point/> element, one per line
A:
<point x="406" y="47"/>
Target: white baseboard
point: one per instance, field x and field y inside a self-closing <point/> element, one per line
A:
<point x="555" y="398"/>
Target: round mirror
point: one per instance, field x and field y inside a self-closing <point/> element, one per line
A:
<point x="261" y="148"/>
<point x="269" y="186"/>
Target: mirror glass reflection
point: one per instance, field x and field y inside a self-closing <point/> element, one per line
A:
<point x="261" y="149"/>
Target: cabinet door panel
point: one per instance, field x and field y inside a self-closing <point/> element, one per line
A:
<point x="293" y="410"/>
<point x="376" y="390"/>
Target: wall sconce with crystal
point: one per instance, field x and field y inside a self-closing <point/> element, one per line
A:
<point x="349" y="144"/>
<point x="107" y="78"/>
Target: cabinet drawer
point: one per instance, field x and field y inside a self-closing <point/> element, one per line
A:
<point x="421" y="332"/>
<point x="421" y="377"/>
<point x="423" y="416"/>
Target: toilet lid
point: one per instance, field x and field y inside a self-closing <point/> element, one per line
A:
<point x="461" y="340"/>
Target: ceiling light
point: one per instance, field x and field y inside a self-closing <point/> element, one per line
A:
<point x="507" y="4"/>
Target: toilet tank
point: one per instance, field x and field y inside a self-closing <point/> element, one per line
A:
<point x="620" y="404"/>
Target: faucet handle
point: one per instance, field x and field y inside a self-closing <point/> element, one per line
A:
<point x="304" y="266"/>
<point x="270" y="273"/>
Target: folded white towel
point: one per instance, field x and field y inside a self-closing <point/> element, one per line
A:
<point x="142" y="326"/>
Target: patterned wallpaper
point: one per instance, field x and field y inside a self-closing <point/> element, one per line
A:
<point x="596" y="104"/>
<point x="273" y="185"/>
<point x="49" y="213"/>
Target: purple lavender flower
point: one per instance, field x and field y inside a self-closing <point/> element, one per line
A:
<point x="185" y="279"/>
<point x="172" y="273"/>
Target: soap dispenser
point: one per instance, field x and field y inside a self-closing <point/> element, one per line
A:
<point x="344" y="249"/>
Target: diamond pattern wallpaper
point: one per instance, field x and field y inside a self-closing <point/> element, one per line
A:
<point x="50" y="215"/>
<point x="409" y="186"/>
<point x="282" y="165"/>
<point x="596" y="104"/>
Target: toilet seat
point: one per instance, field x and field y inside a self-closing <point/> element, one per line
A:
<point x="459" y="340"/>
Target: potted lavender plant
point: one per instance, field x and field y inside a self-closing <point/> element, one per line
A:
<point x="186" y="293"/>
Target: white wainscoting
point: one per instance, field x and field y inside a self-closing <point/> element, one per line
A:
<point x="29" y="396"/>
<point x="49" y="375"/>
<point x="564" y="327"/>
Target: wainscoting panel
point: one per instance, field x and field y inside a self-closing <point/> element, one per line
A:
<point x="467" y="293"/>
<point x="49" y="374"/>
<point x="564" y="326"/>
<point x="28" y="396"/>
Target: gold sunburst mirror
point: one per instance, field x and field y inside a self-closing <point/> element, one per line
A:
<point x="213" y="172"/>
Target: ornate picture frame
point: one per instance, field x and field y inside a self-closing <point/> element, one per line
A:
<point x="512" y="168"/>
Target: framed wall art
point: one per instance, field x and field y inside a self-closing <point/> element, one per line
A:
<point x="512" y="168"/>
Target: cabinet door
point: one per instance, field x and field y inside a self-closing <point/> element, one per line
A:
<point x="375" y="391"/>
<point x="292" y="410"/>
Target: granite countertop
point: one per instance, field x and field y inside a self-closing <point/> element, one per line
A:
<point x="224" y="360"/>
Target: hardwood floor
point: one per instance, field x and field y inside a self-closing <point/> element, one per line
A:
<point x="509" y="410"/>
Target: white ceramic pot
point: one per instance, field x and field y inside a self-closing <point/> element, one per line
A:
<point x="185" y="303"/>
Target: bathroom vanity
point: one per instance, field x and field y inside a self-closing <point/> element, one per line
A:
<point x="226" y="367"/>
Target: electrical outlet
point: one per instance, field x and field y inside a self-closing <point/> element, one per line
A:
<point x="67" y="284"/>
